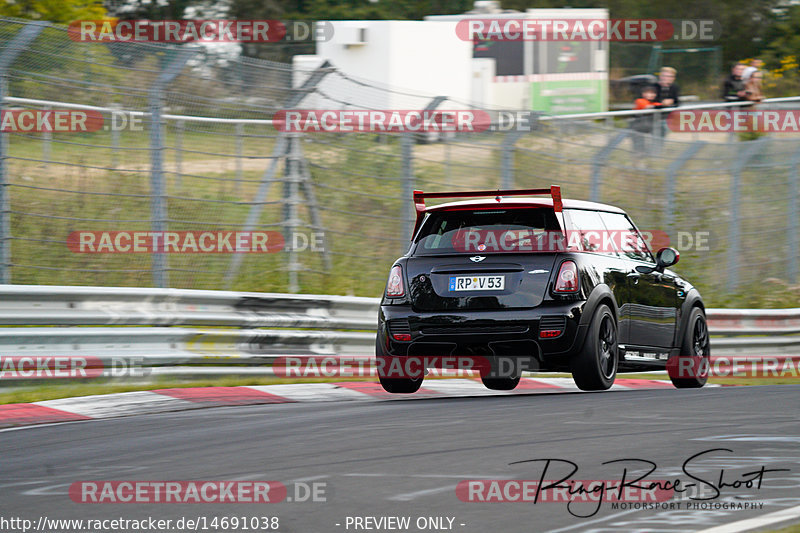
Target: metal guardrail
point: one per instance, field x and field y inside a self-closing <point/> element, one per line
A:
<point x="107" y="306"/>
<point x="178" y="327"/>
<point x="169" y="328"/>
<point x="600" y="115"/>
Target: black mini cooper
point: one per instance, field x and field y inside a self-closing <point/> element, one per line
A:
<point x="551" y="285"/>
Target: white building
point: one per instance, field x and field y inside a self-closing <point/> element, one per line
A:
<point x="409" y="57"/>
<point x="431" y="58"/>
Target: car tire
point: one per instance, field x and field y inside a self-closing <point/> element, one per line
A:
<point x="400" y="385"/>
<point x="500" y="383"/>
<point x="595" y="366"/>
<point x="695" y="343"/>
<point x="396" y="385"/>
<point x="496" y="380"/>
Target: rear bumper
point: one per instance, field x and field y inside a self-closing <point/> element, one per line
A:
<point x="486" y="333"/>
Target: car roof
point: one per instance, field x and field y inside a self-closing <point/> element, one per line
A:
<point x="525" y="202"/>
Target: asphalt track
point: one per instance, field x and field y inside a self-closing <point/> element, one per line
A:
<point x="401" y="458"/>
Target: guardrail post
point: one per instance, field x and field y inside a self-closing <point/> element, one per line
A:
<point x="507" y="158"/>
<point x="5" y="204"/>
<point x="794" y="216"/>
<point x="179" y="129"/>
<point x="237" y="188"/>
<point x="47" y="140"/>
<point x="291" y="217"/>
<point x="656" y="124"/>
<point x="734" y="234"/>
<point x="407" y="158"/>
<point x="9" y="54"/>
<point x="659" y="127"/>
<point x="448" y="165"/>
<point x="599" y="162"/>
<point x="158" y="189"/>
<point x="114" y="139"/>
<point x="672" y="180"/>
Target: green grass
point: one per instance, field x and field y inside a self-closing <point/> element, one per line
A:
<point x="788" y="529"/>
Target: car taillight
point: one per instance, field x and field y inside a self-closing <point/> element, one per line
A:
<point x="394" y="287"/>
<point x="567" y="280"/>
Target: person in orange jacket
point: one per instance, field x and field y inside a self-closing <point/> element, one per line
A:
<point x="644" y="123"/>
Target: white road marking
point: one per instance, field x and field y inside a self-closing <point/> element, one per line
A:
<point x="446" y="476"/>
<point x="245" y="477"/>
<point x="462" y="387"/>
<point x="119" y="404"/>
<point x="312" y="392"/>
<point x="308" y="478"/>
<point x="17" y="428"/>
<point x="408" y="496"/>
<point x="47" y="490"/>
<point x="21" y="483"/>
<point x="784" y="515"/>
<point x="752" y="438"/>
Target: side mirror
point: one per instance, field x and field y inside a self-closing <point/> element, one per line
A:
<point x="666" y="257"/>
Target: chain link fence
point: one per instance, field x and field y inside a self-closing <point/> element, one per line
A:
<point x="207" y="158"/>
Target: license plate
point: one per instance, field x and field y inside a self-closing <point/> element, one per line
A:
<point x="477" y="283"/>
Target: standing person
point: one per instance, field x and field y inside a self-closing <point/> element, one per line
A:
<point x="733" y="88"/>
<point x="667" y="94"/>
<point x="755" y="65"/>
<point x="752" y="93"/>
<point x="752" y="87"/>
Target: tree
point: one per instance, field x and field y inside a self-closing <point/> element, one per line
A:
<point x="743" y="22"/>
<point x="783" y="38"/>
<point x="57" y="11"/>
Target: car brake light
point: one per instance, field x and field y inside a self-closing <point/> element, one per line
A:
<point x="402" y="337"/>
<point x="549" y="333"/>
<point x="394" y="287"/>
<point x="567" y="280"/>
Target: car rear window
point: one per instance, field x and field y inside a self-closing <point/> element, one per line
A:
<point x="485" y="230"/>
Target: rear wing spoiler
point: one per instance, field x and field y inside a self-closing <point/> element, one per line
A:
<point x="419" y="198"/>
